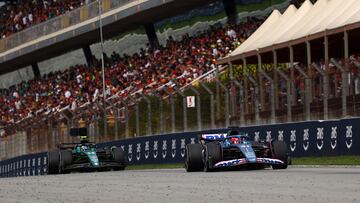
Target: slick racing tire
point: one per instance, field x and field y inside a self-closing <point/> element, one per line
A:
<point x="193" y="159"/>
<point x="280" y="151"/>
<point x="53" y="162"/>
<point x="119" y="157"/>
<point x="65" y="160"/>
<point x="212" y="156"/>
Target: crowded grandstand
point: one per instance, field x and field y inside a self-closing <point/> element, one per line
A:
<point x="184" y="60"/>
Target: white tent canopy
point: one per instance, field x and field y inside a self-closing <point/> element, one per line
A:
<point x="269" y="22"/>
<point x="295" y="23"/>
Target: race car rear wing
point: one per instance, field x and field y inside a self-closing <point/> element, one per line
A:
<point x="72" y="145"/>
<point x="213" y="136"/>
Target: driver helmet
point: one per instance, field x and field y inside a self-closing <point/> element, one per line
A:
<point x="235" y="140"/>
<point x="84" y="139"/>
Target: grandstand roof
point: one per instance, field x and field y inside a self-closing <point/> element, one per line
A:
<point x="297" y="26"/>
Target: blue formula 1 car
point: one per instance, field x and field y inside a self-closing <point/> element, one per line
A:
<point x="234" y="150"/>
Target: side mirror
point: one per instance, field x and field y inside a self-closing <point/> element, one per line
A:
<point x="74" y="132"/>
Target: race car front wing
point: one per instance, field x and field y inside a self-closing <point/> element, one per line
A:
<point x="237" y="162"/>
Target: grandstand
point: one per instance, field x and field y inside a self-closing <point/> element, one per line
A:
<point x="238" y="78"/>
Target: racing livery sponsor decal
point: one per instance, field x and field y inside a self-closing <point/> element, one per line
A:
<point x="138" y="151"/>
<point x="306" y="139"/>
<point x="173" y="148"/>
<point x="164" y="149"/>
<point x="333" y="138"/>
<point x="182" y="147"/>
<point x="269" y="161"/>
<point x="235" y="162"/>
<point x="348" y="138"/>
<point x="320" y="138"/>
<point x="280" y="135"/>
<point x="130" y="152"/>
<point x="147" y="149"/>
<point x="257" y="136"/>
<point x="268" y="136"/>
<point x="155" y="149"/>
<point x="217" y="136"/>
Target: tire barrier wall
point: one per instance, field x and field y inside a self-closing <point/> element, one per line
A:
<point x="312" y="138"/>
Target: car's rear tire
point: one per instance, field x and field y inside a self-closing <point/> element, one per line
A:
<point x="280" y="151"/>
<point x="119" y="157"/>
<point x="108" y="152"/>
<point x="53" y="162"/>
<point x="193" y="159"/>
<point x="212" y="156"/>
<point x="65" y="160"/>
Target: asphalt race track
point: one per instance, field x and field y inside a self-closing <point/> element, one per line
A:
<point x="175" y="185"/>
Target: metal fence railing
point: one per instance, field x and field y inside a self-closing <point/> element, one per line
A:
<point x="55" y="24"/>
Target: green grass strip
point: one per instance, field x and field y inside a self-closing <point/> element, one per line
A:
<point x="331" y="160"/>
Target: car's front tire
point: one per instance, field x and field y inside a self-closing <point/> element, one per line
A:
<point x="66" y="157"/>
<point x="212" y="156"/>
<point x="193" y="159"/>
<point x="280" y="151"/>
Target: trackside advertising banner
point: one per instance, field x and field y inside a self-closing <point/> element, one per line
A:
<point x="312" y="138"/>
<point x="26" y="165"/>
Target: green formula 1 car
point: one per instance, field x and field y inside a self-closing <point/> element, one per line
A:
<point x="84" y="156"/>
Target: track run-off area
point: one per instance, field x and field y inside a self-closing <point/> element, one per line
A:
<point x="295" y="184"/>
